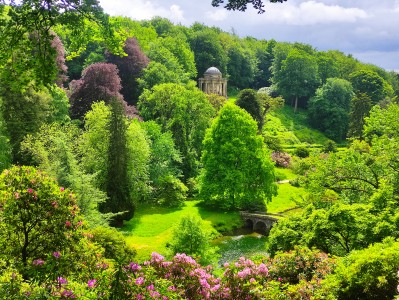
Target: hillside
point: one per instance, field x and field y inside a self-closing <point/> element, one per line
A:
<point x="292" y="128"/>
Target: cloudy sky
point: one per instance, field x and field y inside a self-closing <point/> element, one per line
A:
<point x="367" y="29"/>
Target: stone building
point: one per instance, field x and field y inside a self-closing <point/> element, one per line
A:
<point x="213" y="82"/>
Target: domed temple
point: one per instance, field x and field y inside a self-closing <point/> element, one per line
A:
<point x="213" y="82"/>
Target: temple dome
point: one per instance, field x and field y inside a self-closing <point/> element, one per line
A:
<point x="213" y="71"/>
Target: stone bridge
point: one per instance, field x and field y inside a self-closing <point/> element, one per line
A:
<point x="258" y="222"/>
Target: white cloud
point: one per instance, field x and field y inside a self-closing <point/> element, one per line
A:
<point x="217" y="15"/>
<point x="312" y="13"/>
<point x="176" y="13"/>
<point x="142" y="9"/>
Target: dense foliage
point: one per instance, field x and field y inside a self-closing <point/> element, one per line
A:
<point x="237" y="171"/>
<point x="103" y="161"/>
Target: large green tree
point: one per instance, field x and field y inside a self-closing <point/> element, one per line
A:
<point x="329" y="108"/>
<point x="360" y="109"/>
<point x="186" y="112"/>
<point x="208" y="51"/>
<point x="371" y="84"/>
<point x="298" y="76"/>
<point x="117" y="178"/>
<point x="53" y="149"/>
<point x="237" y="170"/>
<point x="248" y="99"/>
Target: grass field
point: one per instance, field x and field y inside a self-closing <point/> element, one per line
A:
<point x="292" y="128"/>
<point x="152" y="227"/>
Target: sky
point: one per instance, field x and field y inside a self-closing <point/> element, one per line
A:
<point x="367" y="29"/>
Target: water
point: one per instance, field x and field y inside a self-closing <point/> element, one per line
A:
<point x="246" y="244"/>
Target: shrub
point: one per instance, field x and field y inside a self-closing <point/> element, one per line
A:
<point x="37" y="216"/>
<point x="370" y="273"/>
<point x="114" y="244"/>
<point x="191" y="238"/>
<point x="171" y="191"/>
<point x="273" y="143"/>
<point x="329" y="146"/>
<point x="301" y="151"/>
<point x="281" y="159"/>
<point x="301" y="264"/>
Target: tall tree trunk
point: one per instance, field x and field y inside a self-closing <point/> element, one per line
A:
<point x="296" y="104"/>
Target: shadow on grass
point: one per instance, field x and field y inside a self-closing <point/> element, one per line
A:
<point x="223" y="221"/>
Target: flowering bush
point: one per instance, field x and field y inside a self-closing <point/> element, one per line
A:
<point x="181" y="278"/>
<point x="281" y="159"/>
<point x="37" y="217"/>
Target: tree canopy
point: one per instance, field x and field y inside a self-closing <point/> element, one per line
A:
<point x="241" y="5"/>
<point x="237" y="170"/>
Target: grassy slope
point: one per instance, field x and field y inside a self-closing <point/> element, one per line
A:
<point x="292" y="128"/>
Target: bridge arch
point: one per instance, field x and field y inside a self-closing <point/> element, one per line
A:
<point x="258" y="222"/>
<point x="249" y="224"/>
<point x="261" y="227"/>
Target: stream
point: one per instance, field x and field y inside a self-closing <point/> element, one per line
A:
<point x="244" y="244"/>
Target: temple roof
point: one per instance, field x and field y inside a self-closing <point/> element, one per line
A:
<point x="213" y="71"/>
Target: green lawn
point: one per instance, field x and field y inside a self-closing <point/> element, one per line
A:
<point x="285" y="200"/>
<point x="152" y="227"/>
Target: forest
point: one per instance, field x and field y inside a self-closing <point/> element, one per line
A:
<point x="109" y="151"/>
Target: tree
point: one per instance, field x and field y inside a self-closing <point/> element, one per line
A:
<point x="94" y="142"/>
<point x="328" y="110"/>
<point x="164" y="167"/>
<point x="268" y="103"/>
<point x="38" y="217"/>
<point x="24" y="111"/>
<point x="369" y="273"/>
<point x="190" y="237"/>
<point x="360" y="109"/>
<point x="37" y="18"/>
<point x="241" y="66"/>
<point x="99" y="82"/>
<point x="157" y="73"/>
<point x="298" y="76"/>
<point x="117" y="181"/>
<point x="207" y="50"/>
<point x="130" y="68"/>
<point x="371" y="84"/>
<point x="5" y="147"/>
<point x="217" y="101"/>
<point x="248" y="99"/>
<point x="180" y="67"/>
<point x="138" y="161"/>
<point x="186" y="112"/>
<point x="327" y="66"/>
<point x="241" y="5"/>
<point x="53" y="150"/>
<point x="237" y="171"/>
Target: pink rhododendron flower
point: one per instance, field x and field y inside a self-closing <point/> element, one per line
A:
<point x="29" y="190"/>
<point x="57" y="254"/>
<point x="38" y="262"/>
<point x="91" y="283"/>
<point x="139" y="281"/>
<point x="61" y="280"/>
